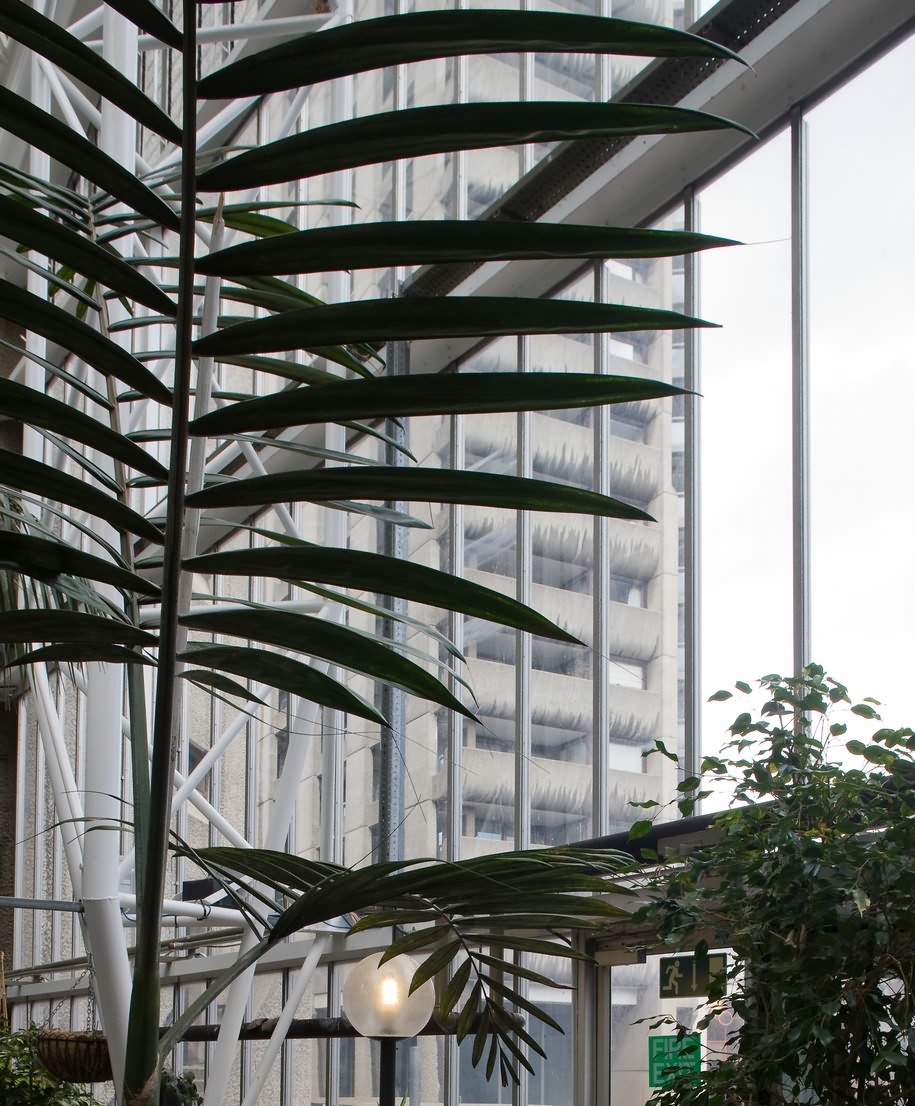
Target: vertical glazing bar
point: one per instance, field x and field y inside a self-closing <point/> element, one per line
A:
<point x="393" y="542"/>
<point x="523" y="574"/>
<point x="523" y="649"/>
<point x="526" y="62"/>
<point x="583" y="1028"/>
<point x="692" y="742"/>
<point x="19" y="869"/>
<point x="460" y="158"/>
<point x="602" y="1031"/>
<point x="600" y="730"/>
<point x="800" y="382"/>
<point x="455" y="749"/>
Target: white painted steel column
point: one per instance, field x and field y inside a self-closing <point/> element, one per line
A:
<point x="105" y="689"/>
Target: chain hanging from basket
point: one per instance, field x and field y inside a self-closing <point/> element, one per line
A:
<point x="73" y="1055"/>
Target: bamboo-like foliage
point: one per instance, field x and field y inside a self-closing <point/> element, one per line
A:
<point x="71" y="229"/>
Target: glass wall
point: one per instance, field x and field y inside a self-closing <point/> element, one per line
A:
<point x="745" y="379"/>
<point x="862" y="386"/>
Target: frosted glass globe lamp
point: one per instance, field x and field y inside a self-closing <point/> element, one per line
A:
<point x="377" y="999"/>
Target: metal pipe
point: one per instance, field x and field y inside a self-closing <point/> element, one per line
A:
<point x="228" y="32"/>
<point x="176" y="908"/>
<point x="800" y="391"/>
<point x="63" y="784"/>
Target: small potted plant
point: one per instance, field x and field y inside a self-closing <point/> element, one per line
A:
<point x="179" y="1090"/>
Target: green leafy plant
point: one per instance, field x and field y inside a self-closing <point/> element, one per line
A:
<point x="810" y="881"/>
<point x="25" y="1081"/>
<point x="179" y="1090"/>
<point x="324" y="364"/>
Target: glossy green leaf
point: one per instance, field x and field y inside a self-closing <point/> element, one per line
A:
<point x="418" y="36"/>
<point x="39" y="128"/>
<point x="434" y="963"/>
<point x="55" y="324"/>
<point x="40" y="233"/>
<point x="384" y="245"/>
<point x="59" y="280"/>
<point x="446" y="317"/>
<point x="58" y="371"/>
<point x="37" y="409"/>
<point x="69" y="627"/>
<point x="78" y="652"/>
<point x="148" y="17"/>
<point x="451" y="394"/>
<point x="436" y="130"/>
<point x="455" y="988"/>
<point x="383" y="482"/>
<point x="352" y="568"/>
<point x="220" y="683"/>
<point x="43" y="558"/>
<point x="44" y="480"/>
<point x="331" y="642"/>
<point x="45" y="37"/>
<point x="285" y="673"/>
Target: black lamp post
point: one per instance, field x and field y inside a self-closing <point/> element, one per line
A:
<point x="378" y="1003"/>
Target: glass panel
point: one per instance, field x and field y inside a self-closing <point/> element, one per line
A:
<point x="425" y="751"/>
<point x="636" y="998"/>
<point x="669" y="13"/>
<point x="644" y="646"/>
<point x="491" y="172"/>
<point x="490" y="537"/>
<point x="745" y="380"/>
<point x="562" y="589"/>
<point x="862" y="390"/>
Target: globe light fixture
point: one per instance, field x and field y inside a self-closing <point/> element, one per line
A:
<point x="377" y="999"/>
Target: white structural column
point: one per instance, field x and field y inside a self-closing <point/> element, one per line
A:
<point x="105" y="695"/>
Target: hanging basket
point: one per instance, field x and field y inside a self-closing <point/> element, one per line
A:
<point x="75" y="1056"/>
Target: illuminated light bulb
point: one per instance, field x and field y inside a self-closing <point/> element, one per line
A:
<point x="378" y="1003"/>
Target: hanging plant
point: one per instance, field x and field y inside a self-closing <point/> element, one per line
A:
<point x="26" y="1081"/>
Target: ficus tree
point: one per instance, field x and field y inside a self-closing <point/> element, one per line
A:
<point x="809" y="881"/>
<point x="118" y="250"/>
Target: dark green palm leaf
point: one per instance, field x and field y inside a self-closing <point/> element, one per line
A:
<point x="47" y="559"/>
<point x="220" y="683"/>
<point x="148" y="17"/>
<point x="449" y="317"/>
<point x="352" y="568"/>
<point x="40" y="34"/>
<point x="77" y="652"/>
<point x="452" y="394"/>
<point x="384" y="245"/>
<point x="30" y="406"/>
<point x="285" y="673"/>
<point x="419" y="36"/>
<point x="39" y="128"/>
<point x="384" y="482"/>
<point x="331" y="642"/>
<point x="40" y="233"/>
<point x="437" y="130"/>
<point x="41" y="317"/>
<point x="74" y="627"/>
<point x="40" y="479"/>
<point x="58" y="371"/>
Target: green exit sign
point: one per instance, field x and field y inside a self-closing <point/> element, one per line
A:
<point x="670" y="1056"/>
<point x="688" y="976"/>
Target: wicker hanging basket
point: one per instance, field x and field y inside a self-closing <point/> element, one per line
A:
<point x="75" y="1056"/>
